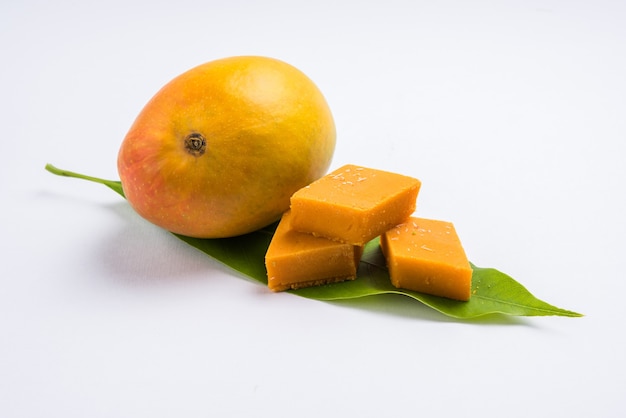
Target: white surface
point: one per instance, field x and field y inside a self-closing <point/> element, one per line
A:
<point x="511" y="113"/>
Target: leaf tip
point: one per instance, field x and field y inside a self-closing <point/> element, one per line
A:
<point x="49" y="167"/>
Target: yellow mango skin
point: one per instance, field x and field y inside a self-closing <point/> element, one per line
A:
<point x="269" y="132"/>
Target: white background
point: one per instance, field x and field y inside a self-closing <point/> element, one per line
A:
<point x="513" y="115"/>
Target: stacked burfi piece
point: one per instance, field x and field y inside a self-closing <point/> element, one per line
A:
<point x="320" y="239"/>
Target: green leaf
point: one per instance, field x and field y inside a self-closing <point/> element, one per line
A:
<point x="245" y="253"/>
<point x="116" y="186"/>
<point x="493" y="292"/>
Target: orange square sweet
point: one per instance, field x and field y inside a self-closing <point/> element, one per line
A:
<point x="295" y="260"/>
<point x="426" y="255"/>
<point x="354" y="204"/>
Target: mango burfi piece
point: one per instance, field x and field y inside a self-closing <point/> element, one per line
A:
<point x="295" y="260"/>
<point x="354" y="204"/>
<point x="426" y="255"/>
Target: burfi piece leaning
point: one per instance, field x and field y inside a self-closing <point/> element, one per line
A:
<point x="426" y="255"/>
<point x="354" y="204"/>
<point x="295" y="260"/>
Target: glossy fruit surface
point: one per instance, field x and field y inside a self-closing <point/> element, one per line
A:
<point x="220" y="149"/>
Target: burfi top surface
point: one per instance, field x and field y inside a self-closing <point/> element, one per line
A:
<point x="430" y="240"/>
<point x="289" y="242"/>
<point x="356" y="187"/>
